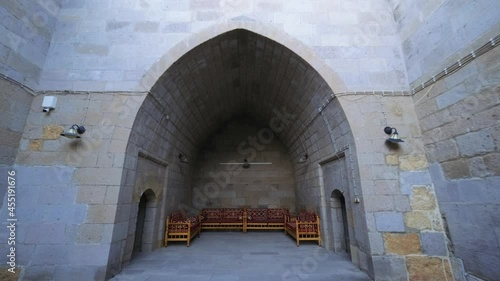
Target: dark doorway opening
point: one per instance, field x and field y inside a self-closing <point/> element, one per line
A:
<point x="340" y="225"/>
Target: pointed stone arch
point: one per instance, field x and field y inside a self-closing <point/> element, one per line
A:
<point x="175" y="53"/>
<point x="166" y="123"/>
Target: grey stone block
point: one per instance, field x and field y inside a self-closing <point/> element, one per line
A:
<point x="472" y="190"/>
<point x="387" y="268"/>
<point x="452" y="96"/>
<point x="457" y="268"/>
<point x="376" y="243"/>
<point x="51" y="255"/>
<point x="39" y="273"/>
<point x="409" y="179"/>
<point x="45" y="233"/>
<point x="56" y="194"/>
<point x="433" y="243"/>
<point x="80" y="273"/>
<point x="90" y="255"/>
<point x="442" y="151"/>
<point x="43" y="176"/>
<point x="493" y="189"/>
<point x="389" y="221"/>
<point x="475" y="143"/>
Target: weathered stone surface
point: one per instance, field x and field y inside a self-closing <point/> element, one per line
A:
<point x="35" y="145"/>
<point x="402" y="244"/>
<point x="492" y="161"/>
<point x="6" y="275"/>
<point x="422" y="199"/>
<point x="418" y="220"/>
<point x="475" y="143"/>
<point x="456" y="169"/>
<point x="412" y="162"/>
<point x="442" y="151"/>
<point x="52" y="132"/>
<point x="428" y="269"/>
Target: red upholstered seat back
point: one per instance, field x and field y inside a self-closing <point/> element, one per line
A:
<point x="306" y="216"/>
<point x="212" y="214"/>
<point x="177" y="217"/>
<point x="257" y="215"/>
<point x="276" y="214"/>
<point x="233" y="214"/>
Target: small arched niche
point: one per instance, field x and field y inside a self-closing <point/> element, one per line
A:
<point x="145" y="222"/>
<point x="340" y="226"/>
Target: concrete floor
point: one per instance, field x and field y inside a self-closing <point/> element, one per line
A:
<point x="234" y="256"/>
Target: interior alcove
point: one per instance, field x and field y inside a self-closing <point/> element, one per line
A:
<point x="267" y="183"/>
<point x="237" y="76"/>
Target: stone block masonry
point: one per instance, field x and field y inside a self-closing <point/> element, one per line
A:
<point x="462" y="149"/>
<point x="319" y="75"/>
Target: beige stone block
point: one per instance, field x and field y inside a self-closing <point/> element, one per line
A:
<point x="9" y="276"/>
<point x="422" y="198"/>
<point x="418" y="220"/>
<point x="428" y="269"/>
<point x="52" y="132"/>
<point x="89" y="233"/>
<point x="413" y="162"/>
<point x="402" y="244"/>
<point x="91" y="194"/>
<point x="98" y="176"/>
<point x="392" y="159"/>
<point x="101" y="214"/>
<point x="35" y="145"/>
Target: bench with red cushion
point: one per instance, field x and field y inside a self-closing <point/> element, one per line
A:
<point x="266" y="218"/>
<point x="223" y="218"/>
<point x="304" y="227"/>
<point x="179" y="227"/>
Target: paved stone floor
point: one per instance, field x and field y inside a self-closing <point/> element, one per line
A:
<point x="234" y="256"/>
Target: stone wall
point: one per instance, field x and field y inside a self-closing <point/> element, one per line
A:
<point x="153" y="138"/>
<point x="15" y="103"/>
<point x="396" y="192"/>
<point x="101" y="46"/>
<point x="259" y="186"/>
<point x="27" y="28"/>
<point x="459" y="120"/>
<point x="67" y="190"/>
<point x="436" y="33"/>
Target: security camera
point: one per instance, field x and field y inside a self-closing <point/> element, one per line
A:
<point x="49" y="103"/>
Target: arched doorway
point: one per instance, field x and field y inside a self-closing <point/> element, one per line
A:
<point x="146" y="214"/>
<point x="339" y="222"/>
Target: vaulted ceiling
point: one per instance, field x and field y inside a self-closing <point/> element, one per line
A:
<point x="239" y="73"/>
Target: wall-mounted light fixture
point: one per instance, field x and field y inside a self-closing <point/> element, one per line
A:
<point x="303" y="158"/>
<point x="183" y="158"/>
<point x="394" y="136"/>
<point x="74" y="132"/>
<point x="49" y="103"/>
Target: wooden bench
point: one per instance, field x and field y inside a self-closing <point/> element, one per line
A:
<point x="304" y="227"/>
<point x="181" y="228"/>
<point x="223" y="218"/>
<point x="266" y="218"/>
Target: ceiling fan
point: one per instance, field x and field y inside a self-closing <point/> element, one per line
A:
<point x="246" y="164"/>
